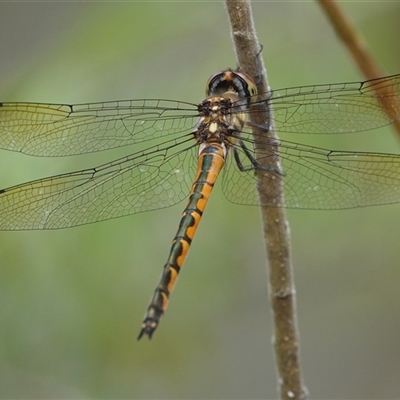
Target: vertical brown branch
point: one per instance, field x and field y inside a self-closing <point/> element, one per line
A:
<point x="358" y="49"/>
<point x="275" y="225"/>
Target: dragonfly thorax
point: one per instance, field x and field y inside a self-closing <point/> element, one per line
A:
<point x="220" y="120"/>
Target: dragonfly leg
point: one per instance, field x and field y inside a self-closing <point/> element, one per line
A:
<point x="255" y="165"/>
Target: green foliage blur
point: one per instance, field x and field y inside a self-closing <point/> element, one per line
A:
<point x="71" y="301"/>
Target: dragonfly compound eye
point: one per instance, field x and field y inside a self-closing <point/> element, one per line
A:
<point x="231" y="81"/>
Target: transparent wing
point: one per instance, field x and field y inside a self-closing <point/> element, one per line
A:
<point x="61" y="130"/>
<point x="160" y="175"/>
<point x="155" y="178"/>
<point x="315" y="178"/>
<point x="335" y="108"/>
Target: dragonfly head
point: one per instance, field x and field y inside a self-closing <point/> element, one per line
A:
<point x="231" y="82"/>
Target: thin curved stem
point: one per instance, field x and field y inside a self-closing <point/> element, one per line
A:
<point x="275" y="225"/>
<point x="359" y="51"/>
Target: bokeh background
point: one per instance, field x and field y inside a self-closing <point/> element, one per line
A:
<point x="71" y="301"/>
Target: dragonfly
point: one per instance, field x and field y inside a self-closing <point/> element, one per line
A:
<point x="181" y="149"/>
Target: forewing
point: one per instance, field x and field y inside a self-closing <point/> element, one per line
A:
<point x="335" y="108"/>
<point x="61" y="130"/>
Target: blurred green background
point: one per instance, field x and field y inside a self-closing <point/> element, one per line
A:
<point x="71" y="301"/>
